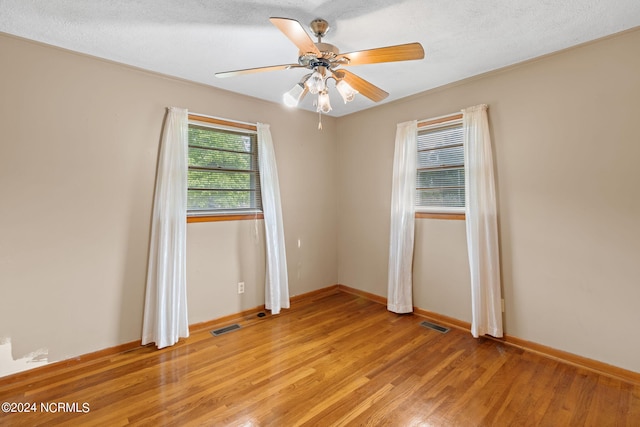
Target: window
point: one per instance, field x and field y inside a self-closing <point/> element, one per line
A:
<point x="440" y="166"/>
<point x="223" y="175"/>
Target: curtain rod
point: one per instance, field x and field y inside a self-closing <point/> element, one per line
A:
<point x="439" y="119"/>
<point x="220" y="120"/>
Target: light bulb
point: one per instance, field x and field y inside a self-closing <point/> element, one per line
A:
<point x="315" y="83"/>
<point x="346" y="91"/>
<point x="323" y="102"/>
<point x="293" y="97"/>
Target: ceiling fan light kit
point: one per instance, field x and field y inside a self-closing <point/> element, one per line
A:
<point x="346" y="91"/>
<point x="323" y="59"/>
<point x="295" y="95"/>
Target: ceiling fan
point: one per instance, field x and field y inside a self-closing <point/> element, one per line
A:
<point x="324" y="60"/>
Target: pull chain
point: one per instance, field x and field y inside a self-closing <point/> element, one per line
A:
<point x="319" y="120"/>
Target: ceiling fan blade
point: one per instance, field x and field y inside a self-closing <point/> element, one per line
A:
<point x="296" y="33"/>
<point x="401" y="52"/>
<point x="256" y="70"/>
<point x="367" y="89"/>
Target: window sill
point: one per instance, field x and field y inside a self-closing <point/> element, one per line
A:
<point x="433" y="215"/>
<point x="231" y="217"/>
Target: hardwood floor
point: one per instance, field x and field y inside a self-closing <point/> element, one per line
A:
<point x="332" y="360"/>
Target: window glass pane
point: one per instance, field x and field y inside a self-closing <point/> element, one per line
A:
<point x="217" y="200"/>
<point x="442" y="157"/>
<point x="233" y="184"/>
<point x="445" y="197"/>
<point x="441" y="178"/>
<point x="222" y="180"/>
<point x="219" y="159"/>
<point x="222" y="139"/>
<point x="440" y="164"/>
<point x="440" y="137"/>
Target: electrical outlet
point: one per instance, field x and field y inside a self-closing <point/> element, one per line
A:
<point x="241" y="287"/>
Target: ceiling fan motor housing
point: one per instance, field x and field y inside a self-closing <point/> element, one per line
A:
<point x="328" y="51"/>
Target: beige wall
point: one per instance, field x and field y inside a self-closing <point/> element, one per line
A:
<point x="79" y="140"/>
<point x="566" y="144"/>
<point x="78" y="147"/>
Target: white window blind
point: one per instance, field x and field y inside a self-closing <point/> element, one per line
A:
<point x="223" y="175"/>
<point x="440" y="168"/>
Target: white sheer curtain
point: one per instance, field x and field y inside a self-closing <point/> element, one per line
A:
<point x="399" y="299"/>
<point x="165" y="307"/>
<point x="482" y="224"/>
<point x="277" y="282"/>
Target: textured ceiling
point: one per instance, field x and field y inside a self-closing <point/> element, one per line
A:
<point x="193" y="39"/>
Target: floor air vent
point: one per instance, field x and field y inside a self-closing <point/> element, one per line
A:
<point x="225" y="329"/>
<point x="435" y="327"/>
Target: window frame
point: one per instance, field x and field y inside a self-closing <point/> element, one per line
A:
<point x="223" y="124"/>
<point x="437" y="212"/>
